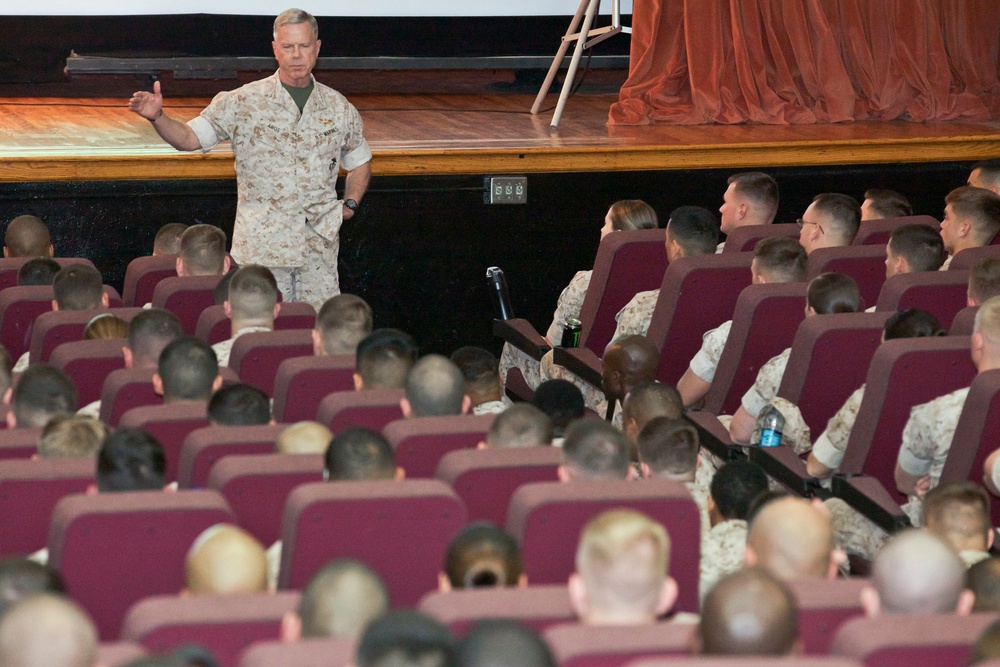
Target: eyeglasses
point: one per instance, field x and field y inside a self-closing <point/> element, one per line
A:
<point x="801" y="223"/>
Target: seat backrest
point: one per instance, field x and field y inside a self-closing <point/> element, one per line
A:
<point x="186" y="297"/>
<point x="745" y="238"/>
<point x="420" y="443"/>
<point x="904" y="373"/>
<point x="878" y="232"/>
<point x="257" y="486"/>
<point x="303" y="653"/>
<point x="964" y="321"/>
<point x="224" y="624"/>
<point x="301" y="383"/>
<point x="977" y="434"/>
<point x="371" y="408"/>
<point x="169" y="424"/>
<point x="203" y="447"/>
<point x="129" y="388"/>
<point x="764" y="324"/>
<point x="214" y="327"/>
<point x="535" y="607"/>
<point x="485" y="479"/>
<point x="748" y="661"/>
<point x="29" y="489"/>
<point x="88" y="363"/>
<point x="19" y="307"/>
<point x="256" y="356"/>
<point x="9" y="266"/>
<point x="374" y="522"/>
<point x="864" y="263"/>
<point x="579" y="645"/>
<point x="63" y="326"/>
<point x="969" y="257"/>
<point x="547" y="518"/>
<point x="627" y="263"/>
<point x="684" y="311"/>
<point x="941" y="293"/>
<point x="904" y="640"/>
<point x="824" y="604"/>
<point x="113" y="549"/>
<point x="819" y="376"/>
<point x="18" y="443"/>
<point x="142" y="276"/>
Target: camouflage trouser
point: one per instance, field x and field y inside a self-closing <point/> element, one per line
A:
<point x="853" y="532"/>
<point x="316" y="279"/>
<point x="593" y="397"/>
<point x="511" y="357"/>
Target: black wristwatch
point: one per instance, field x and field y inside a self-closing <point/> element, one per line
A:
<point x="351" y="204"/>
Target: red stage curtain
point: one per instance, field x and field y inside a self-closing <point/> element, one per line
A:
<point x="811" y="61"/>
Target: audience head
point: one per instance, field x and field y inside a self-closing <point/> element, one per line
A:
<point x="594" y="450"/>
<point x="168" y="239"/>
<point x="27" y="236"/>
<point x="202" y="252"/>
<point x="749" y="612"/>
<point x="148" y="333"/>
<point x="41" y="393"/>
<point x="971" y="218"/>
<point x="187" y="371"/>
<point x="916" y="572"/>
<point x="405" y="639"/>
<point x="646" y="401"/>
<point x="629" y="215"/>
<point x="831" y="293"/>
<point x="384" y="359"/>
<point x="986" y="174"/>
<point x="879" y="204"/>
<point x="503" y="643"/>
<point x="342" y="321"/>
<point x="621" y="570"/>
<point x="959" y="513"/>
<point x="338" y="602"/>
<point x="130" y="460"/>
<point x="986" y="334"/>
<point x="38" y="271"/>
<point x="628" y="361"/>
<point x="911" y="323"/>
<point x="562" y="401"/>
<point x="225" y="560"/>
<point x="71" y="436"/>
<point x="106" y="327"/>
<point x="792" y="539"/>
<point x="360" y="454"/>
<point x="668" y="448"/>
<point x="831" y="221"/>
<point x="47" y="629"/>
<point x="691" y="230"/>
<point x="481" y="556"/>
<point x="750" y="199"/>
<point x="21" y="578"/>
<point x="253" y="297"/>
<point x="435" y="387"/>
<point x="913" y="248"/>
<point x="983" y="579"/>
<point x="307" y="437"/>
<point x="734" y="488"/>
<point x="984" y="281"/>
<point x="778" y="259"/>
<point x="239" y="405"/>
<point x="78" y="287"/>
<point x="520" y="425"/>
<point x="482" y="374"/>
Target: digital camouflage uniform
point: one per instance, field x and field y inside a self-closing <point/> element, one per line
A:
<point x="634" y="318"/>
<point x="832" y="443"/>
<point x="765" y="387"/>
<point x="288" y="215"/>
<point x="722" y="553"/>
<point x="706" y="361"/>
<point x="223" y="348"/>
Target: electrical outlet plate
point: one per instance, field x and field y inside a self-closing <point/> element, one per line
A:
<point x="506" y="190"/>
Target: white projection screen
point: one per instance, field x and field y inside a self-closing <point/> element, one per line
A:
<point x="355" y="8"/>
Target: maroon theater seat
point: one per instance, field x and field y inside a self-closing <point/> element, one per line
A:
<point x="864" y="263"/>
<point x="129" y="388"/>
<point x="579" y="645"/>
<point x="941" y="293"/>
<point x="255" y="357"/>
<point x="534" y="607"/>
<point x="964" y="321"/>
<point x="901" y="640"/>
<point x="303" y="653"/>
<point x="169" y="424"/>
<point x="547" y="518"/>
<point x="376" y="523"/>
<point x="745" y="238"/>
<point x="214" y="327"/>
<point x="113" y="549"/>
<point x="878" y="232"/>
<point x="224" y="624"/>
<point x="88" y="363"/>
<point x="372" y="409"/>
<point x="824" y="605"/>
<point x="301" y="383"/>
<point x="420" y="443"/>
<point x="186" y="298"/>
<point x="19" y="307"/>
<point x="118" y="654"/>
<point x="748" y="661"/>
<point x="9" y="267"/>
<point x="54" y="328"/>
<point x="142" y="276"/>
<point x="203" y="447"/>
<point x="18" y="443"/>
<point x="969" y="257"/>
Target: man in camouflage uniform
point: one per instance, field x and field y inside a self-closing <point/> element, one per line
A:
<point x="290" y="136"/>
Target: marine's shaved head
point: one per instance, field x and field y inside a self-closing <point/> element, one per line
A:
<point x="435" y="387"/>
<point x="27" y="236"/>
<point x="341" y="600"/>
<point x="45" y="630"/>
<point x="628" y="361"/>
<point x="226" y="560"/>
<point x="792" y="539"/>
<point x="305" y="437"/>
<point x="749" y="612"/>
<point x="917" y="573"/>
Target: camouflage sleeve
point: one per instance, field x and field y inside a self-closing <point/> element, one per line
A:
<point x="355" y="151"/>
<point x="766" y="386"/>
<point x="217" y="121"/>
<point x="706" y="361"/>
<point x="569" y="305"/>
<point x="634" y="318"/>
<point x="832" y="443"/>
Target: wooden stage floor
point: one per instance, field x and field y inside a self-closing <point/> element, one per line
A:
<point x="50" y="139"/>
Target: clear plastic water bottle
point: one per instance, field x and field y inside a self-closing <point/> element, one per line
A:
<point x="771" y="424"/>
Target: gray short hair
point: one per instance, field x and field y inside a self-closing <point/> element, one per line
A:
<point x="294" y="16"/>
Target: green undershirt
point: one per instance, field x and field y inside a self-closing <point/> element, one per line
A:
<point x="300" y="95"/>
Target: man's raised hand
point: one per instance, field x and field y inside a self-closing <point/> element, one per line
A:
<point x="146" y="104"/>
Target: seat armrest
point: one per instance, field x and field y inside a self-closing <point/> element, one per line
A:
<point x="869" y="497"/>
<point x="520" y="334"/>
<point x="784" y="465"/>
<point x="580" y="361"/>
<point x="713" y="435"/>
